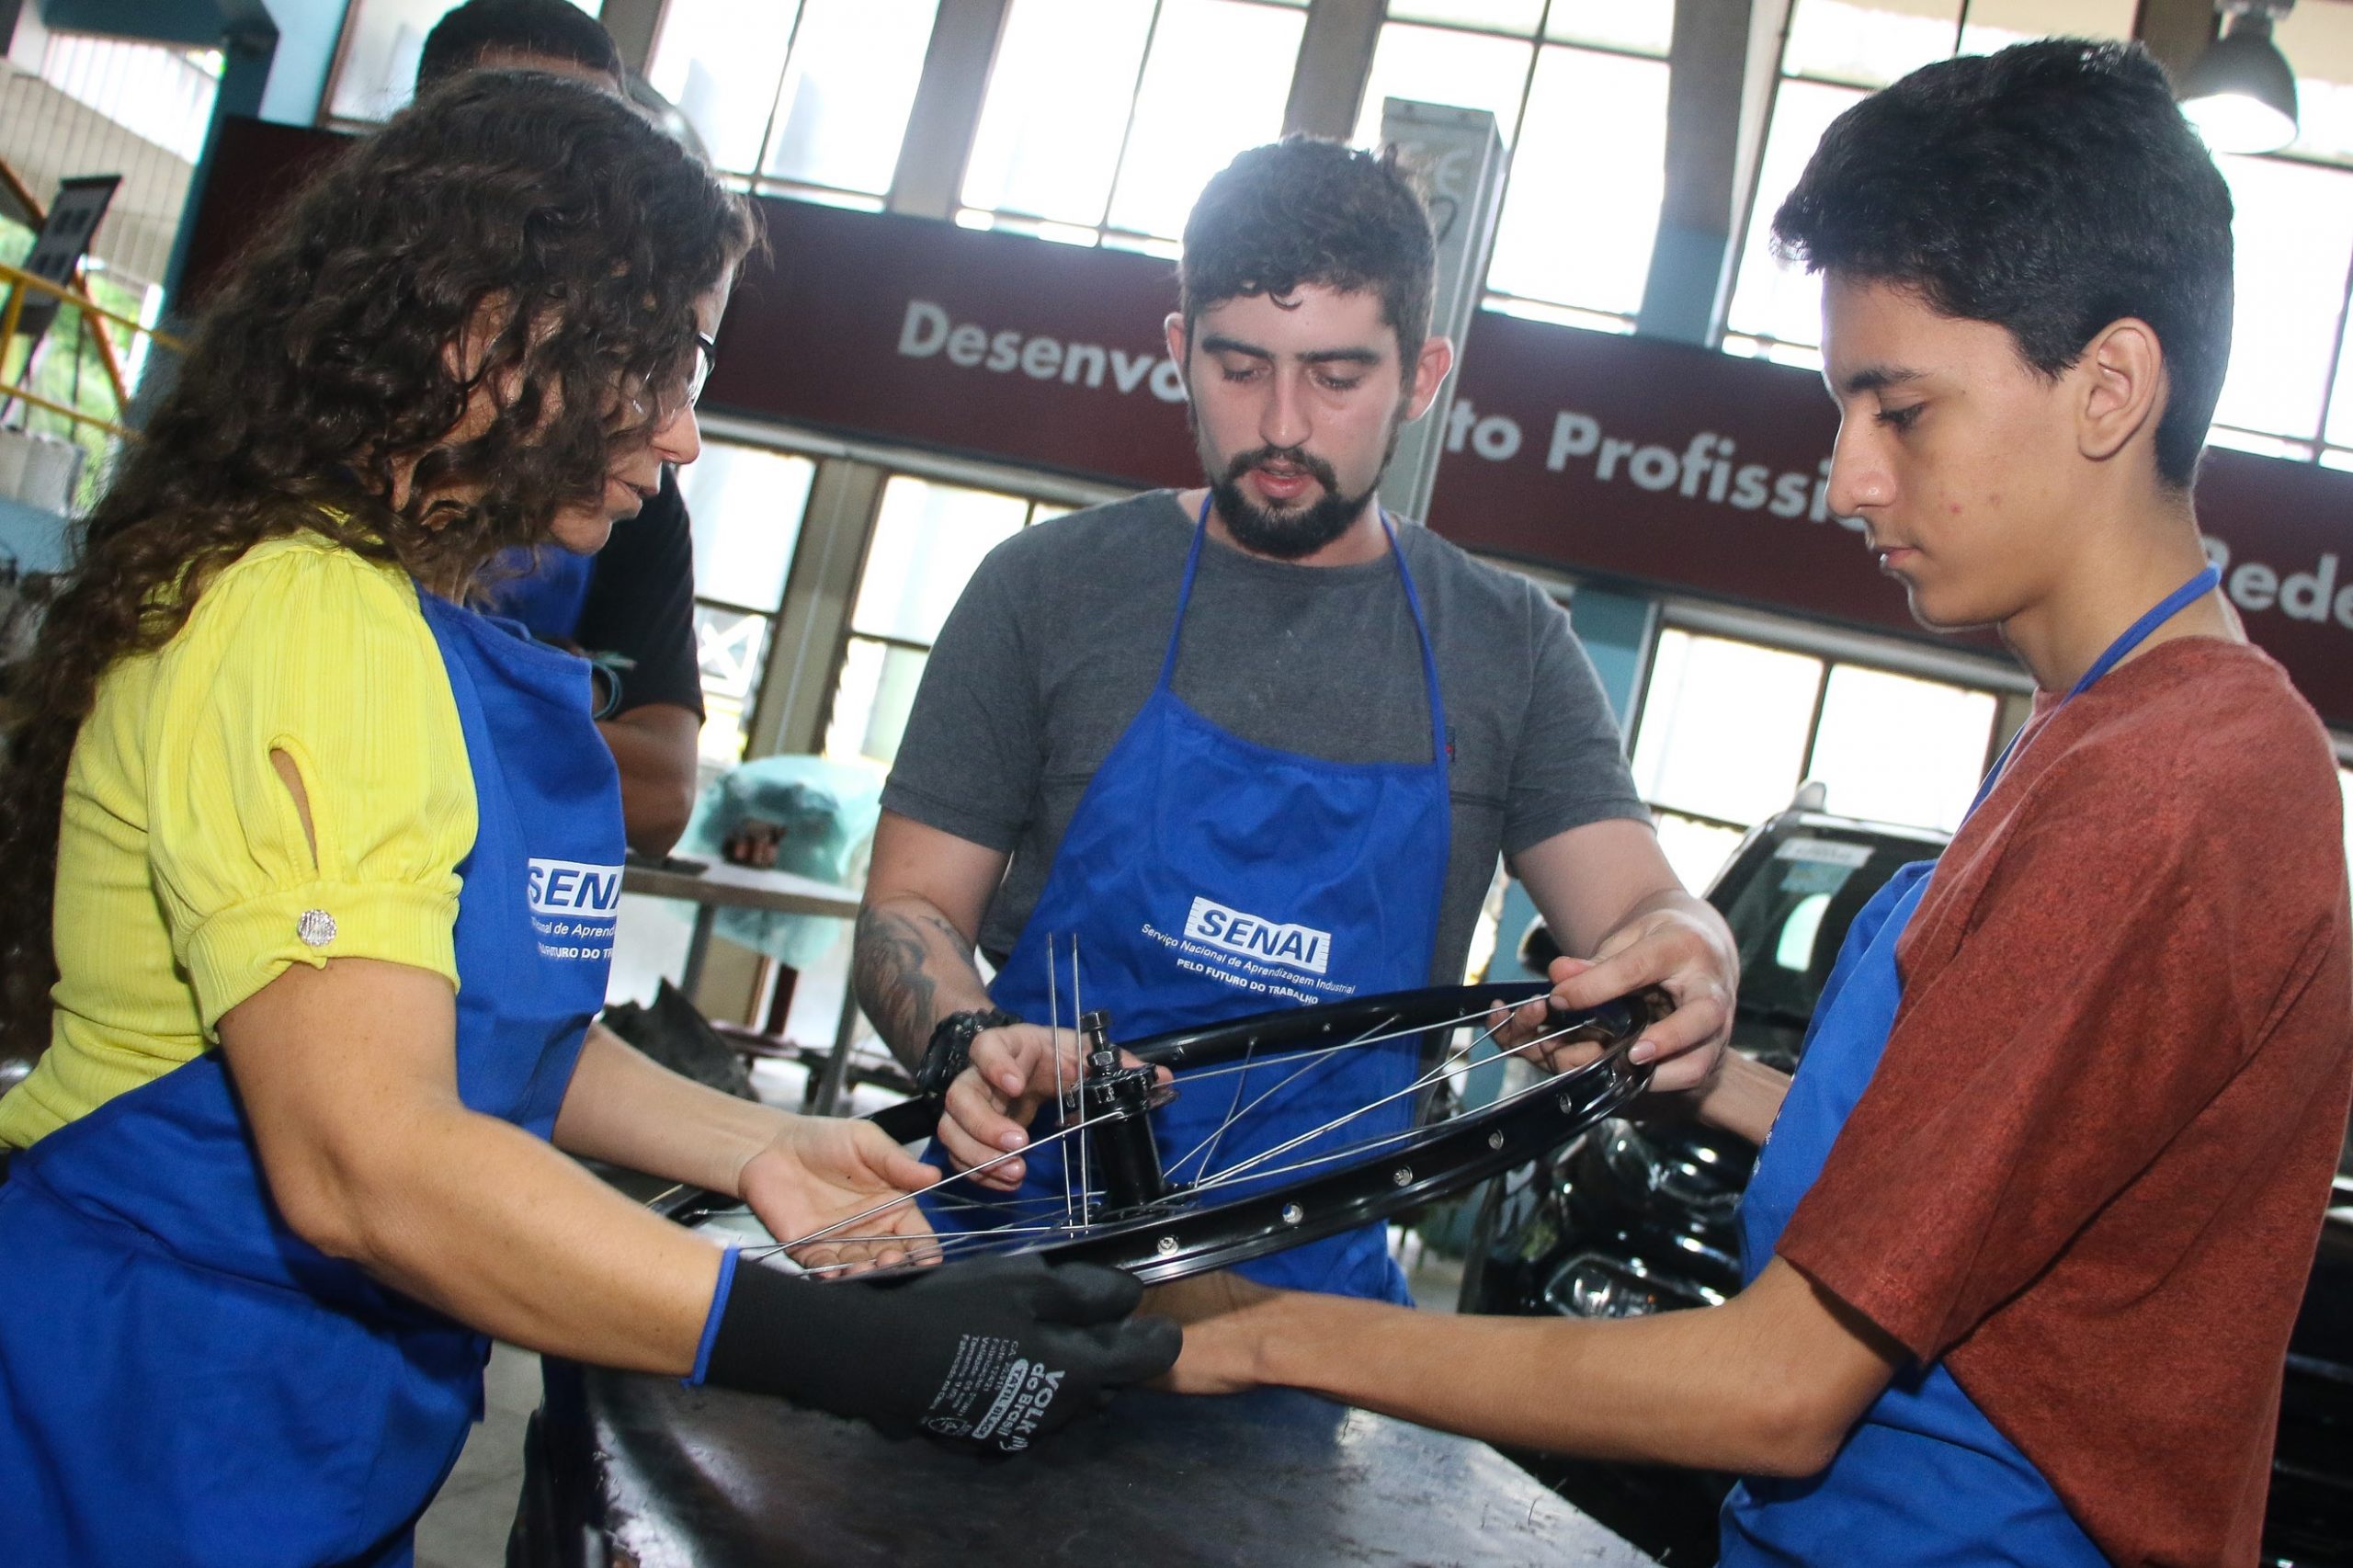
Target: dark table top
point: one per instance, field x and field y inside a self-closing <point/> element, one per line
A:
<point x="713" y="1478"/>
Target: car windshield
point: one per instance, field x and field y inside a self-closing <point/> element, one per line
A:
<point x="1790" y="907"/>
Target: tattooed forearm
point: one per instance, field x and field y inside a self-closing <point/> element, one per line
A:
<point x="899" y="962"/>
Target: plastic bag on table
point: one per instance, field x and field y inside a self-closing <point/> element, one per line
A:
<point x="825" y="811"/>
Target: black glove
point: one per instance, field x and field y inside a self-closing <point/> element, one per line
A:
<point x="991" y="1354"/>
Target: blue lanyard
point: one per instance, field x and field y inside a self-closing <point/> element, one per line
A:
<point x="2172" y="604"/>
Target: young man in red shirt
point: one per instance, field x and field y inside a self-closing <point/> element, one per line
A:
<point x="2028" y="1240"/>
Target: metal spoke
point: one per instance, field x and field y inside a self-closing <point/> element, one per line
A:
<point x="1234" y="1108"/>
<point x="1445" y="1070"/>
<point x="1419" y="1083"/>
<point x="1357" y="1151"/>
<point x="890" y="1203"/>
<point x="1048" y="1203"/>
<point x="1054" y="1046"/>
<point x="952" y="1238"/>
<point x="1233" y="1113"/>
<point x="1195" y="1074"/>
<point x="1078" y="1023"/>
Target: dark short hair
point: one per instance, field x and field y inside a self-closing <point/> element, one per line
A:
<point x="1308" y="210"/>
<point x="556" y="29"/>
<point x="2051" y="189"/>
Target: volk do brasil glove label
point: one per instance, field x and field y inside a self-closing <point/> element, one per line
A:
<point x="992" y="1394"/>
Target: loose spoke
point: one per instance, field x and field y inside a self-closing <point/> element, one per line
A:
<point x="1054" y="1046"/>
<point x="1078" y="1022"/>
<point x="1444" y="1070"/>
<point x="1195" y="1074"/>
<point x="1235" y="1113"/>
<point x="952" y="1238"/>
<point x="1419" y="1083"/>
<point x="1357" y="1151"/>
<point x="890" y="1203"/>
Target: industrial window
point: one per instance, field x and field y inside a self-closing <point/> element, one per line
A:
<point x="747" y="505"/>
<point x="928" y="538"/>
<point x="2289" y="394"/>
<point x="1729" y="728"/>
<point x="375" y="66"/>
<point x="808" y="98"/>
<point x="1104" y="119"/>
<point x="112" y="106"/>
<point x="1834" y="53"/>
<point x="1574" y="238"/>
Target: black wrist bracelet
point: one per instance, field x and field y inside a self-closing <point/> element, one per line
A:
<point x="951" y="1049"/>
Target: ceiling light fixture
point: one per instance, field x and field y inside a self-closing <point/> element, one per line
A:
<point x="2241" y="94"/>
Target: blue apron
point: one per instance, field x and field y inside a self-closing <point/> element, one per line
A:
<point x="1206" y="877"/>
<point x="1924" y="1479"/>
<point x="183" y="1379"/>
<point x="547" y="593"/>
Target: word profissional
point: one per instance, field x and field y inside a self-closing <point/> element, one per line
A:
<point x="1703" y="470"/>
<point x="929" y="330"/>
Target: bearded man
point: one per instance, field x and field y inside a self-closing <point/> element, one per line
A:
<point x="1260" y="742"/>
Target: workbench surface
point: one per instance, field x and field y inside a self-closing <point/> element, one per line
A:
<point x="669" y="1476"/>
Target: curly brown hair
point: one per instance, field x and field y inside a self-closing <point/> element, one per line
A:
<point x="541" y="212"/>
<point x="1305" y="210"/>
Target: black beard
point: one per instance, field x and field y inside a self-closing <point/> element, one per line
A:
<point x="1285" y="536"/>
<point x="1289" y="536"/>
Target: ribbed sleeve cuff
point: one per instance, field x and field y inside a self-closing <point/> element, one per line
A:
<point x="241" y="949"/>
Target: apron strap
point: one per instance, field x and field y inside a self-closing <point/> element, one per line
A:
<point x="1185" y="594"/>
<point x="1429" y="657"/>
<point x="2164" y="609"/>
<point x="1412" y="603"/>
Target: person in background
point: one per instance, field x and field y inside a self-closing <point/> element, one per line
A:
<point x="2026" y="1246"/>
<point x="631" y="607"/>
<point x="324" y="864"/>
<point x="1260" y="706"/>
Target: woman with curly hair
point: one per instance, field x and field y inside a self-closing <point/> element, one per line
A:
<point x="323" y="865"/>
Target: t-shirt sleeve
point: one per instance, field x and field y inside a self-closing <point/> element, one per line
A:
<point x="641" y="604"/>
<point x="2117" y="967"/>
<point x="970" y="759"/>
<point x="327" y="659"/>
<point x="1570" y="768"/>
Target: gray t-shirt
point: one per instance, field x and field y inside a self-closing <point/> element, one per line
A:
<point x="1058" y="639"/>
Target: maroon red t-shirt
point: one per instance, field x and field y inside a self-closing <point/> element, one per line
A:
<point x="2089" y="1171"/>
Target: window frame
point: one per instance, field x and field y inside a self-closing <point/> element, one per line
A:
<point x="1833" y="649"/>
<point x="1031" y="501"/>
<point x="2313" y="448"/>
<point x="1587" y="317"/>
<point x="1102" y="233"/>
<point x="757" y="181"/>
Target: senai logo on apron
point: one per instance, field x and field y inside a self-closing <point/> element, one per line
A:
<point x="568" y="887"/>
<point x="574" y="908"/>
<point x="1253" y="936"/>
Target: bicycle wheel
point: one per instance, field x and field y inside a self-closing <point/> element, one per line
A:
<point x="1265" y="1203"/>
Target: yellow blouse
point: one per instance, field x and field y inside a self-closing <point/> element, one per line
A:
<point x="184" y="882"/>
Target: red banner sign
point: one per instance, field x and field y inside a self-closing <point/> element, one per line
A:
<point x="995" y="345"/>
<point x="1649" y="462"/>
<point x="1661" y="463"/>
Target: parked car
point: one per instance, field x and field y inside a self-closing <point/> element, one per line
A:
<point x="1638" y="1218"/>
